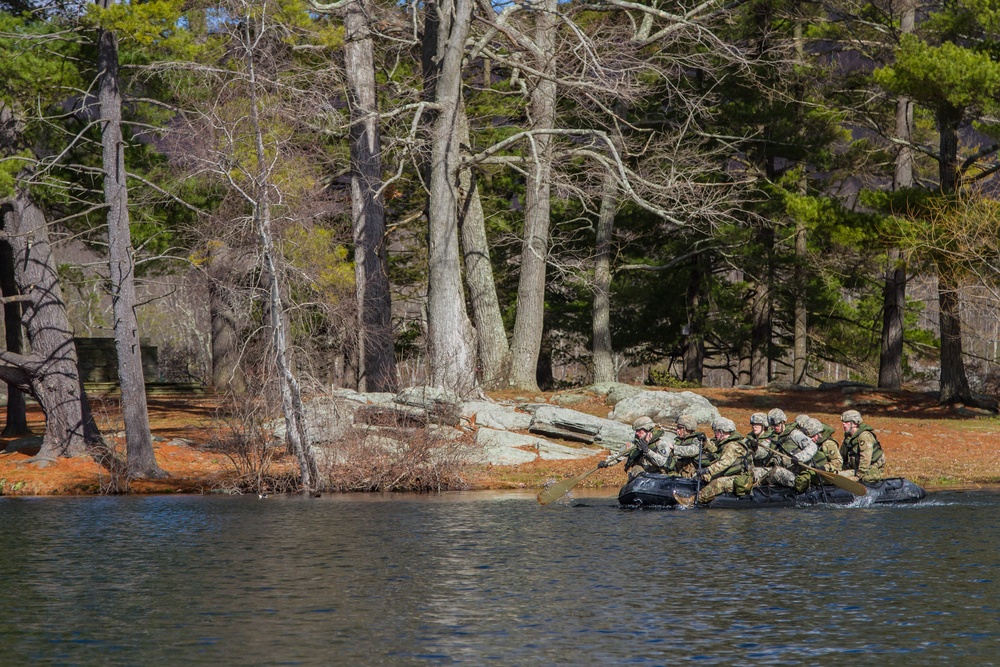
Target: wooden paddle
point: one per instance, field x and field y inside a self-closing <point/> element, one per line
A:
<point x="840" y="481"/>
<point x="557" y="491"/>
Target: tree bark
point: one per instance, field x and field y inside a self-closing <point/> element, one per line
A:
<point x="376" y="356"/>
<point x="954" y="384"/>
<point x="890" y="363"/>
<point x="226" y="372"/>
<point x="760" y="309"/>
<point x="801" y="325"/>
<point x="530" y="319"/>
<point x="491" y="336"/>
<point x="138" y="439"/>
<point x="451" y="340"/>
<point x="17" y="409"/>
<point x="291" y="396"/>
<point x="50" y="373"/>
<point x="604" y="365"/>
<point x="694" y="346"/>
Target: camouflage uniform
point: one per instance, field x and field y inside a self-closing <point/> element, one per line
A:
<point x="799" y="447"/>
<point x="828" y="456"/>
<point x="862" y="452"/>
<point x="654" y="459"/>
<point x="731" y="470"/>
<point x="684" y="459"/>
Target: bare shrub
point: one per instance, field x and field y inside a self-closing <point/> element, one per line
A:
<point x="396" y="459"/>
<point x="244" y="435"/>
<point x="112" y="473"/>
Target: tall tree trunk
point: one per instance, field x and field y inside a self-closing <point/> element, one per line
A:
<point x="760" y="313"/>
<point x="17" y="409"/>
<point x="50" y="373"/>
<point x="800" y="340"/>
<point x="604" y="365"/>
<point x="530" y="319"/>
<point x="694" y="347"/>
<point x="296" y="430"/>
<point x="954" y="383"/>
<point x="376" y="356"/>
<point x="138" y="439"/>
<point x="494" y="350"/>
<point x="226" y="372"/>
<point x="890" y="362"/>
<point x="451" y="340"/>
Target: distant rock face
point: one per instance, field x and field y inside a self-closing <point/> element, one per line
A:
<point x="505" y="448"/>
<point x="664" y="407"/>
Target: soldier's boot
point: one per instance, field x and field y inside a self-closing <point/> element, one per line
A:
<point x="683" y="501"/>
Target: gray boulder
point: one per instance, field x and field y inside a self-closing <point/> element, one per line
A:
<point x="506" y="448"/>
<point x="663" y="407"/>
<point x="573" y="425"/>
<point x="496" y="415"/>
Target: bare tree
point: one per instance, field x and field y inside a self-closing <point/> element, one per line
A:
<point x="376" y="360"/>
<point x="138" y="439"/>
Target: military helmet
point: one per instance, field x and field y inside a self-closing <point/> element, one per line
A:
<point x="643" y="424"/>
<point x="688" y="422"/>
<point x="759" y="418"/>
<point x="812" y="426"/>
<point x="802" y="419"/>
<point x="851" y="416"/>
<point x="776" y="416"/>
<point x="724" y="425"/>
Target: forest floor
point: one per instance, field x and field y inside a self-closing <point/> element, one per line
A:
<point x="936" y="446"/>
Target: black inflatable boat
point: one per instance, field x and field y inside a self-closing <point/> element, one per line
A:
<point x="655" y="490"/>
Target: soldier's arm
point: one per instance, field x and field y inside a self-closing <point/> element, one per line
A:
<point x="687" y="451"/>
<point x="657" y="457"/>
<point x="619" y="456"/>
<point x="834" y="460"/>
<point x="866" y="448"/>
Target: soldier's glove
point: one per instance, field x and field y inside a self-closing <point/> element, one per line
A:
<point x="643" y="447"/>
<point x="701" y="472"/>
<point x="602" y="464"/>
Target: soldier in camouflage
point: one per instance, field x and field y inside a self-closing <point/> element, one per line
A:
<point x="731" y="471"/>
<point x="864" y="460"/>
<point x="646" y="452"/>
<point x="828" y="455"/>
<point x="691" y="448"/>
<point x="789" y="447"/>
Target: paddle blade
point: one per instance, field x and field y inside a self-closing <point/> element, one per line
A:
<point x="557" y="491"/>
<point x="857" y="488"/>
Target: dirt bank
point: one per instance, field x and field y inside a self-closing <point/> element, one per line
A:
<point x="937" y="446"/>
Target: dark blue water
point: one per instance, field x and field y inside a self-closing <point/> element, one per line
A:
<point x="479" y="579"/>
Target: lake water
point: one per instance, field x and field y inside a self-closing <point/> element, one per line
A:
<point x="488" y="578"/>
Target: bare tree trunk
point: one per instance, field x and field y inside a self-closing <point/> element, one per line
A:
<point x="760" y="307"/>
<point x="450" y="336"/>
<point x="50" y="372"/>
<point x="954" y="385"/>
<point x="494" y="350"/>
<point x="694" y="346"/>
<point x="604" y="366"/>
<point x="226" y="372"/>
<point x="17" y="409"/>
<point x="800" y="343"/>
<point x="801" y="329"/>
<point x="138" y="439"/>
<point x="376" y="356"/>
<point x="890" y="362"/>
<point x="291" y="396"/>
<point x="529" y="324"/>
